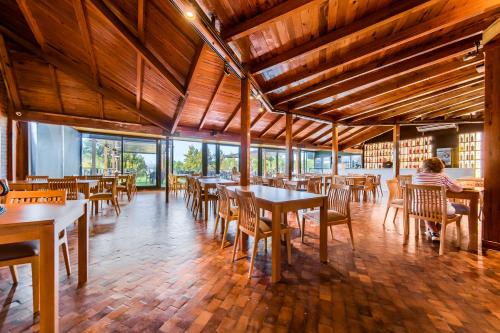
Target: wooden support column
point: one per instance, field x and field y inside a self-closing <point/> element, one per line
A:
<point x="396" y="134"/>
<point x="289" y="149"/>
<point x="245" y="132"/>
<point x="167" y="168"/>
<point x="491" y="159"/>
<point x="22" y="151"/>
<point x="335" y="150"/>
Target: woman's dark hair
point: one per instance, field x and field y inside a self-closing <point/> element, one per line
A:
<point x="433" y="164"/>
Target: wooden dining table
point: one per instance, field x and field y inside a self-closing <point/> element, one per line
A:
<point x="281" y="201"/>
<point x="43" y="222"/>
<point x="84" y="186"/>
<point x="211" y="183"/>
<point x="472" y="196"/>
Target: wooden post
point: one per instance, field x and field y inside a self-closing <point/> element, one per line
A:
<point x="289" y="149"/>
<point x="245" y="133"/>
<point x="335" y="150"/>
<point x="22" y="152"/>
<point x="167" y="168"/>
<point x="491" y="156"/>
<point x="396" y="133"/>
<point x="299" y="161"/>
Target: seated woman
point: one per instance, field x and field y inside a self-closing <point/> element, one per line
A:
<point x="432" y="174"/>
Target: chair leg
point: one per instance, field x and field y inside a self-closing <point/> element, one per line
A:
<point x="35" y="280"/>
<point x="224" y="235"/>
<point x="395" y="215"/>
<point x="252" y="259"/>
<point x="459" y="233"/>
<point x="303" y="229"/>
<point x="289" y="247"/>
<point x="443" y="239"/>
<point x="236" y="244"/>
<point x="265" y="244"/>
<point x="331" y="232"/>
<point x="65" y="251"/>
<point x="298" y="221"/>
<point x="349" y="225"/>
<point x="117" y="206"/>
<point x="386" y="212"/>
<point x="13" y="272"/>
<point x="216" y="225"/>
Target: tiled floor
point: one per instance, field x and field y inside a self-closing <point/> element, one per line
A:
<point x="155" y="268"/>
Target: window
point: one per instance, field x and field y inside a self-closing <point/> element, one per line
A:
<point x="282" y="162"/>
<point x="212" y="156"/>
<point x="187" y="156"/>
<point x="229" y="160"/>
<point x="254" y="161"/>
<point x="270" y="163"/>
<point x="307" y="161"/>
<point x="101" y="154"/>
<point x="139" y="157"/>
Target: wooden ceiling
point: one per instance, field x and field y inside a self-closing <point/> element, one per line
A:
<point x="142" y="66"/>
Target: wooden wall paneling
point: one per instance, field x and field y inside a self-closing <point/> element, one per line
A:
<point x="396" y="136"/>
<point x="245" y="133"/>
<point x="288" y="144"/>
<point x="335" y="149"/>
<point x="167" y="72"/>
<point x="212" y="100"/>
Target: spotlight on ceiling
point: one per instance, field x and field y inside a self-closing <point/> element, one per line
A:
<point x="227" y="71"/>
<point x="189" y="14"/>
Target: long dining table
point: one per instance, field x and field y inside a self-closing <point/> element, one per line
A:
<point x="281" y="201"/>
<point x="472" y="196"/>
<point x="84" y="185"/>
<point x="210" y="183"/>
<point x="43" y="222"/>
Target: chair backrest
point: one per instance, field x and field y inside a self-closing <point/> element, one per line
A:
<point x="66" y="184"/>
<point x="339" y="197"/>
<point x="314" y="185"/>
<point x="108" y="184"/>
<point x="378" y="179"/>
<point x="93" y="177"/>
<point x="70" y="177"/>
<point x="196" y="174"/>
<point x="339" y="180"/>
<point x="369" y="182"/>
<point x="425" y="202"/>
<point x="394" y="190"/>
<point x="404" y="179"/>
<point x="35" y="179"/>
<point x="290" y="185"/>
<point x="224" y="200"/>
<point x="257" y="180"/>
<point x="31" y="197"/>
<point x="248" y="218"/>
<point x="279" y="182"/>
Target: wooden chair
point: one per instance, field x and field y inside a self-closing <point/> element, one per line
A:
<point x="124" y="185"/>
<point x="225" y="212"/>
<point x="314" y="185"/>
<point x="357" y="186"/>
<point x="107" y="192"/>
<point x="378" y="184"/>
<point x="189" y="193"/>
<point x="395" y="200"/>
<point x="257" y="180"/>
<point x="199" y="198"/>
<point x="339" y="197"/>
<point x="65" y="184"/>
<point x="279" y="183"/>
<point x="370" y="188"/>
<point x="341" y="180"/>
<point x="250" y="223"/>
<point x="94" y="189"/>
<point x="35" y="179"/>
<point x="428" y="203"/>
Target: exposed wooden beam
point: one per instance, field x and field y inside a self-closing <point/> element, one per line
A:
<point x="420" y="79"/>
<point x="189" y="82"/>
<point x="471" y="20"/>
<point x="322" y="135"/>
<point x="441" y="111"/>
<point x="231" y="117"/>
<point x="35" y="29"/>
<point x="257" y="118"/>
<point x="69" y="67"/>
<point x="465" y="112"/>
<point x="79" y="121"/>
<point x="303" y="127"/>
<point x="167" y="71"/>
<point x="283" y="131"/>
<point x="312" y="132"/>
<point x="397" y="70"/>
<point x="141" y="18"/>
<point x="245" y="140"/>
<point x="55" y="85"/>
<point x="211" y="101"/>
<point x="255" y="23"/>
<point x="371" y="22"/>
<point x="270" y="125"/>
<point x="363" y="135"/>
<point x="492" y="33"/>
<point x="396" y="136"/>
<point x="288" y="145"/>
<point x="9" y="75"/>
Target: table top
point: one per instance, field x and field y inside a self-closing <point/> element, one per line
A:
<point x="207" y="181"/>
<point x="21" y="214"/>
<point x="276" y="195"/>
<point x="31" y="182"/>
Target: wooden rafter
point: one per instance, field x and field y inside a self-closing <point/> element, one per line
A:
<point x="257" y="118"/>
<point x="9" y="75"/>
<point x="35" y="29"/>
<point x="231" y="117"/>
<point x="167" y="71"/>
<point x="363" y="135"/>
<point x="141" y="18"/>
<point x="456" y="102"/>
<point x="312" y="132"/>
<point x="467" y="111"/>
<point x="69" y="67"/>
<point x="472" y="103"/>
<point x="189" y="82"/>
<point x="395" y="40"/>
<point x="283" y="131"/>
<point x="212" y="99"/>
<point x="257" y="22"/>
<point x="55" y="85"/>
<point x="322" y="135"/>
<point x="270" y="125"/>
<point x="394" y="71"/>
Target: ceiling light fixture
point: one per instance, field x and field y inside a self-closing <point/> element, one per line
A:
<point x="227" y="71"/>
<point x="437" y="127"/>
<point x="189" y="14"/>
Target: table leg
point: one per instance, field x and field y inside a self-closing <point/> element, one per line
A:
<point x="83" y="247"/>
<point x="86" y="190"/>
<point x="49" y="280"/>
<point x="473" y="213"/>
<point x="276" y="244"/>
<point x="206" y="203"/>
<point x="323" y="232"/>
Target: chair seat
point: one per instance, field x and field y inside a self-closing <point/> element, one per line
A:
<point x="101" y="196"/>
<point x="234" y="211"/>
<point x="18" y="250"/>
<point x="397" y="202"/>
<point x="266" y="225"/>
<point x="332" y="216"/>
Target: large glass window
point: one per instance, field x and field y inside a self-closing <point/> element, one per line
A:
<point x="281" y="162"/>
<point x="212" y="157"/>
<point x="187" y="157"/>
<point x="254" y="161"/>
<point x="139" y="157"/>
<point x="270" y="163"/>
<point x="307" y="161"/>
<point x="101" y="154"/>
<point x="229" y="160"/>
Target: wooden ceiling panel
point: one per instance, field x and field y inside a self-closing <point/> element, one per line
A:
<point x="158" y="92"/>
<point x="118" y="112"/>
<point x="224" y="103"/>
<point x="77" y="99"/>
<point x="126" y="11"/>
<point x="11" y="16"/>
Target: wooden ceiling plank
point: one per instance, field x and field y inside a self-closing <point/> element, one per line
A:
<point x="312" y="132"/>
<point x="270" y="125"/>
<point x="55" y="85"/>
<point x="69" y="120"/>
<point x="231" y="117"/>
<point x="492" y="32"/>
<point x="371" y="22"/>
<point x="430" y="110"/>
<point x="470" y="21"/>
<point x="364" y="135"/>
<point x="218" y="87"/>
<point x="141" y="18"/>
<point x="9" y="75"/>
<point x="68" y="66"/>
<point x="465" y="112"/>
<point x="168" y="72"/>
<point x="303" y="128"/>
<point x="393" y="71"/>
<point x="257" y="118"/>
<point x="475" y="102"/>
<point x="283" y="131"/>
<point x="189" y="82"/>
<point x="255" y="23"/>
<point x="35" y="29"/>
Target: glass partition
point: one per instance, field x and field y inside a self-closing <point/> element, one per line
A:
<point x="229" y="160"/>
<point x="254" y="161"/>
<point x="281" y="162"/>
<point x="139" y="157"/>
<point x="212" y="159"/>
<point x="101" y="154"/>
<point x="187" y="156"/>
